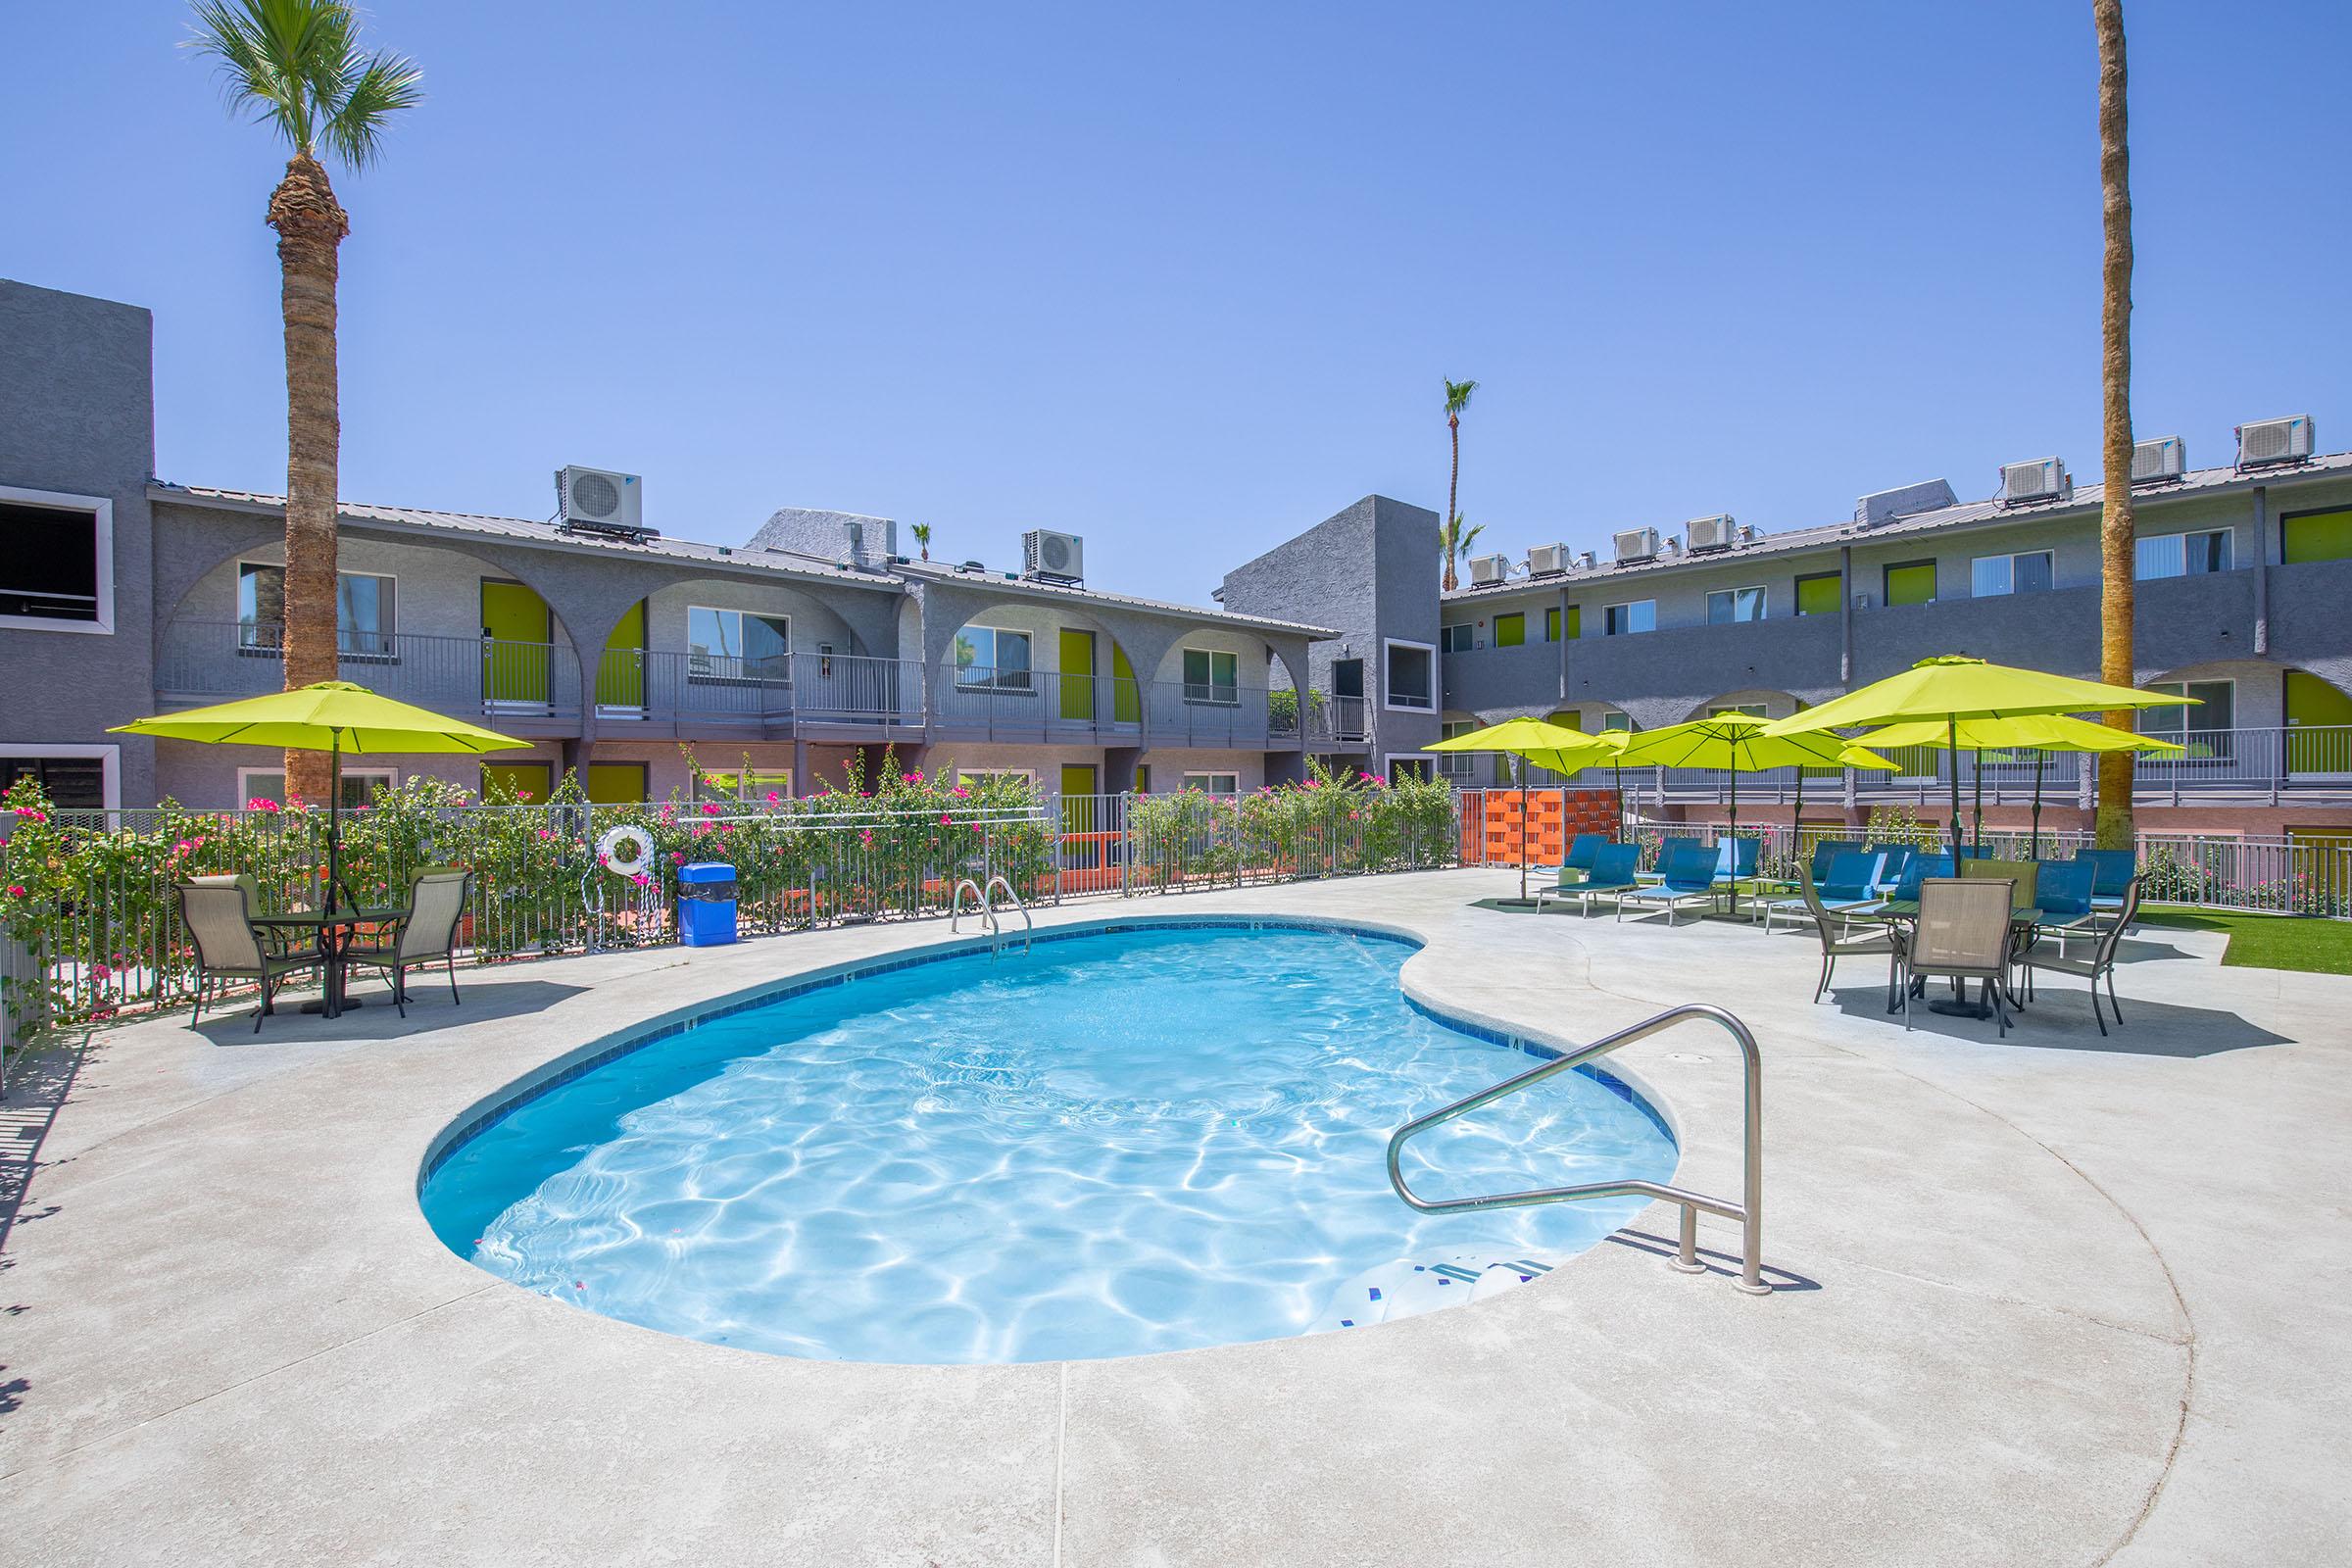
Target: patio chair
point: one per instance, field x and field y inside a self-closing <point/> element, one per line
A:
<point x="2112" y="875"/>
<point x="2102" y="960"/>
<point x="1827" y="850"/>
<point x="425" y="931"/>
<point x="2061" y="898"/>
<point x="1916" y="871"/>
<point x="1963" y="935"/>
<point x="1897" y="859"/>
<point x="1735" y="860"/>
<point x="1687" y="875"/>
<point x="1838" y="940"/>
<point x="2023" y="876"/>
<point x="1848" y="887"/>
<point x="1611" y="876"/>
<point x="1581" y="852"/>
<point x="218" y="911"/>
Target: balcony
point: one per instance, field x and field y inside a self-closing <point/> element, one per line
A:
<point x="530" y="688"/>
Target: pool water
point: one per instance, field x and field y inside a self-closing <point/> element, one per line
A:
<point x="1118" y="1143"/>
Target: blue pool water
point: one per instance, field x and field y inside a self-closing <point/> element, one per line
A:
<point x="1119" y="1142"/>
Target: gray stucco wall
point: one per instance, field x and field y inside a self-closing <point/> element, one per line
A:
<point x="77" y="417"/>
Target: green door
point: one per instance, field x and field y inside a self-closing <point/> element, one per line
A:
<point x="1078" y="675"/>
<point x="2319" y="720"/>
<point x="1078" y="797"/>
<point x="528" y="782"/>
<point x="1126" y="698"/>
<point x="620" y="673"/>
<point x="515" y="633"/>
<point x="616" y="783"/>
<point x="2316" y="536"/>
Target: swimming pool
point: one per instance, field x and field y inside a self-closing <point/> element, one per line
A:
<point x="1130" y="1140"/>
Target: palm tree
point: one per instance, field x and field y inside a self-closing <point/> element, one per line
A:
<point x="2113" y="825"/>
<point x="922" y="538"/>
<point x="298" y="65"/>
<point x="1457" y="398"/>
<point x="1464" y="538"/>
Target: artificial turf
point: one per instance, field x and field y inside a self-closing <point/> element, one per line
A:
<point x="2267" y="941"/>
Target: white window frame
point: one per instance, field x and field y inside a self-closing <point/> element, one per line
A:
<point x="968" y="776"/>
<point x="2188" y="714"/>
<point x="109" y="759"/>
<point x="1607" y="631"/>
<point x="1208" y="782"/>
<point x="1763" y="604"/>
<point x="1211" y="700"/>
<point x="102" y="541"/>
<point x="2010" y="559"/>
<point x="994" y="683"/>
<point x="692" y="673"/>
<point x="2180" y="540"/>
<point x="1387" y="695"/>
<point x="1468" y="631"/>
<point x="388" y="655"/>
<point x="389" y="777"/>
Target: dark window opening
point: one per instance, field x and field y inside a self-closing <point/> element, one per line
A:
<point x="50" y="569"/>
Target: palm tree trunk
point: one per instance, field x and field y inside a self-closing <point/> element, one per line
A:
<point x="2116" y="523"/>
<point x="1453" y="481"/>
<point x="310" y="226"/>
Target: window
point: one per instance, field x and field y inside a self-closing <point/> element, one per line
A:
<point x="362" y="610"/>
<point x="1456" y="639"/>
<point x="1211" y="676"/>
<point x="1820" y="593"/>
<point x="2216" y="713"/>
<point x="1911" y="582"/>
<point x="1510" y="631"/>
<point x="737" y="644"/>
<point x="2182" y="554"/>
<point x="1552" y="623"/>
<point x="360" y="785"/>
<point x="1142" y="778"/>
<point x="2026" y="573"/>
<point x="972" y="777"/>
<point x="1751" y="710"/>
<point x="1619" y="620"/>
<point x="1459" y="766"/>
<point x="1726" y="606"/>
<point x="1610" y="722"/>
<point x="2303" y="536"/>
<point x="76" y="778"/>
<point x="59" y="571"/>
<point x="992" y="658"/>
<point x="1412" y="675"/>
<point x="1214" y="783"/>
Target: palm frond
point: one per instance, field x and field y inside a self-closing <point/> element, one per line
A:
<point x="1458" y="396"/>
<point x="382" y="87"/>
<point x="298" y="63"/>
<point x="1462" y="545"/>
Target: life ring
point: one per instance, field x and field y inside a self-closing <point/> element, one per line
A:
<point x="609" y="850"/>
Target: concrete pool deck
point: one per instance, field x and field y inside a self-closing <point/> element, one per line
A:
<point x="2053" y="1300"/>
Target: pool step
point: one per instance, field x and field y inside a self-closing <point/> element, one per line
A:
<point x="1405" y="1289"/>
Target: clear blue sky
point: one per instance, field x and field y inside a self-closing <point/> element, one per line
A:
<point x="1185" y="278"/>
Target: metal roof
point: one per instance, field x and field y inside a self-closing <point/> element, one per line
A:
<point x="2085" y="501"/>
<point x="934" y="571"/>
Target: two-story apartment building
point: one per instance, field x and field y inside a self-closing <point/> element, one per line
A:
<point x="616" y="654"/>
<point x="2244" y="577"/>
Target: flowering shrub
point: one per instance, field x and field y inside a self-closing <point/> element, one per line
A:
<point x="1328" y="824"/>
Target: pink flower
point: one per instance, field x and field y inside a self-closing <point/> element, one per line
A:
<point x="914" y="778"/>
<point x="525" y="795"/>
<point x="773" y="799"/>
<point x="545" y="833"/>
<point x="710" y="807"/>
<point x="16" y="890"/>
<point x="960" y="793"/>
<point x="101" y="971"/>
<point x="946" y="821"/>
<point x="866" y="838"/>
<point x="643" y="879"/>
<point x="677" y="857"/>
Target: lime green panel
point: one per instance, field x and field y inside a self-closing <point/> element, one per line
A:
<point x="1078" y="800"/>
<point x="1077" y="674"/>
<point x="1818" y="596"/>
<point x="2317" y="536"/>
<point x="1127" y="698"/>
<point x="616" y="783"/>
<point x="620" y="675"/>
<point x="2322" y="717"/>
<point x="518" y="780"/>
<point x="515" y="632"/>
<point x="1911" y="585"/>
<point x="1510" y="630"/>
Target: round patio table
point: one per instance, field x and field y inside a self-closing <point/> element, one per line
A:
<point x="335" y="933"/>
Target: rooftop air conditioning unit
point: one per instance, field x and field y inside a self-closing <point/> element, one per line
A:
<point x="600" y="500"/>
<point x="2042" y="479"/>
<point x="1050" y="557"/>
<point x="2165" y="457"/>
<point x="1718" y="532"/>
<point x="1585" y="561"/>
<point x="1488" y="570"/>
<point x="1635" y="544"/>
<point x="1547" y="560"/>
<point x="2274" y="441"/>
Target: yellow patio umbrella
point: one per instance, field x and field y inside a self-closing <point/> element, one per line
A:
<point x="1740" y="743"/>
<point x="1951" y="686"/>
<point x="333" y="717"/>
<point x="2039" y="733"/>
<point x="1555" y="747"/>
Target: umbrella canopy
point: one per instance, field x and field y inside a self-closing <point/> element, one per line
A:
<point x="2035" y="732"/>
<point x="1951" y="686"/>
<point x="328" y="715"/>
<point x="1546" y="744"/>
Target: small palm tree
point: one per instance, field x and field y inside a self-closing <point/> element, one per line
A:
<point x="922" y="538"/>
<point x="2117" y="524"/>
<point x="1466" y="538"/>
<point x="298" y="65"/>
<point x="1457" y="398"/>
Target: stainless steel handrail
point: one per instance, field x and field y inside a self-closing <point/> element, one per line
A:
<point x="989" y="893"/>
<point x="1749" y="1212"/>
<point x="955" y="910"/>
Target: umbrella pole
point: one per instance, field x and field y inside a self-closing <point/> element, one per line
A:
<point x="1734" y="843"/>
<point x="1796" y="825"/>
<point x="1951" y="750"/>
<point x="334" y="820"/>
<point x="1519" y="778"/>
<point x="1975" y="778"/>
<point x="2033" y="850"/>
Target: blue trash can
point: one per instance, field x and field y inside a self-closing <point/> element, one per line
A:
<point x="707" y="904"/>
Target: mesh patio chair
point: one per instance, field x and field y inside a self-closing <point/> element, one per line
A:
<point x="2102" y="960"/>
<point x="1896" y="859"/>
<point x="425" y="931"/>
<point x="2062" y="900"/>
<point x="2112" y="874"/>
<point x="2023" y="876"/>
<point x="1827" y="850"/>
<point x="1686" y="876"/>
<point x="218" y="911"/>
<point x="1838" y="940"/>
<point x="1917" y="872"/>
<point x="1848" y="886"/>
<point x="1583" y="849"/>
<point x="1611" y="876"/>
<point x="1962" y="934"/>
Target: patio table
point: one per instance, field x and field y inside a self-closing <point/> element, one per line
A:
<point x="2022" y="925"/>
<point x="336" y="931"/>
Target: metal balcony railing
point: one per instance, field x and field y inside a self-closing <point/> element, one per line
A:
<point x="215" y="660"/>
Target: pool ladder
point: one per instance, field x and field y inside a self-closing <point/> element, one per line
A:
<point x="986" y="899"/>
<point x="1749" y="1212"/>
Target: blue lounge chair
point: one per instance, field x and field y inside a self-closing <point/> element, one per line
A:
<point x="2110" y="874"/>
<point x="1897" y="859"/>
<point x="1611" y="876"/>
<point x="1827" y="850"/>
<point x="1687" y="877"/>
<point x="1735" y="859"/>
<point x="1850" y="887"/>
<point x="1582" y="850"/>
<point x="1920" y="869"/>
<point x="2061" y="892"/>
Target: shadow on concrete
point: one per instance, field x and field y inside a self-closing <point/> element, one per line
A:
<point x="1726" y="1264"/>
<point x="2059" y="1018"/>
<point x="429" y="1009"/>
<point x="38" y="1083"/>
